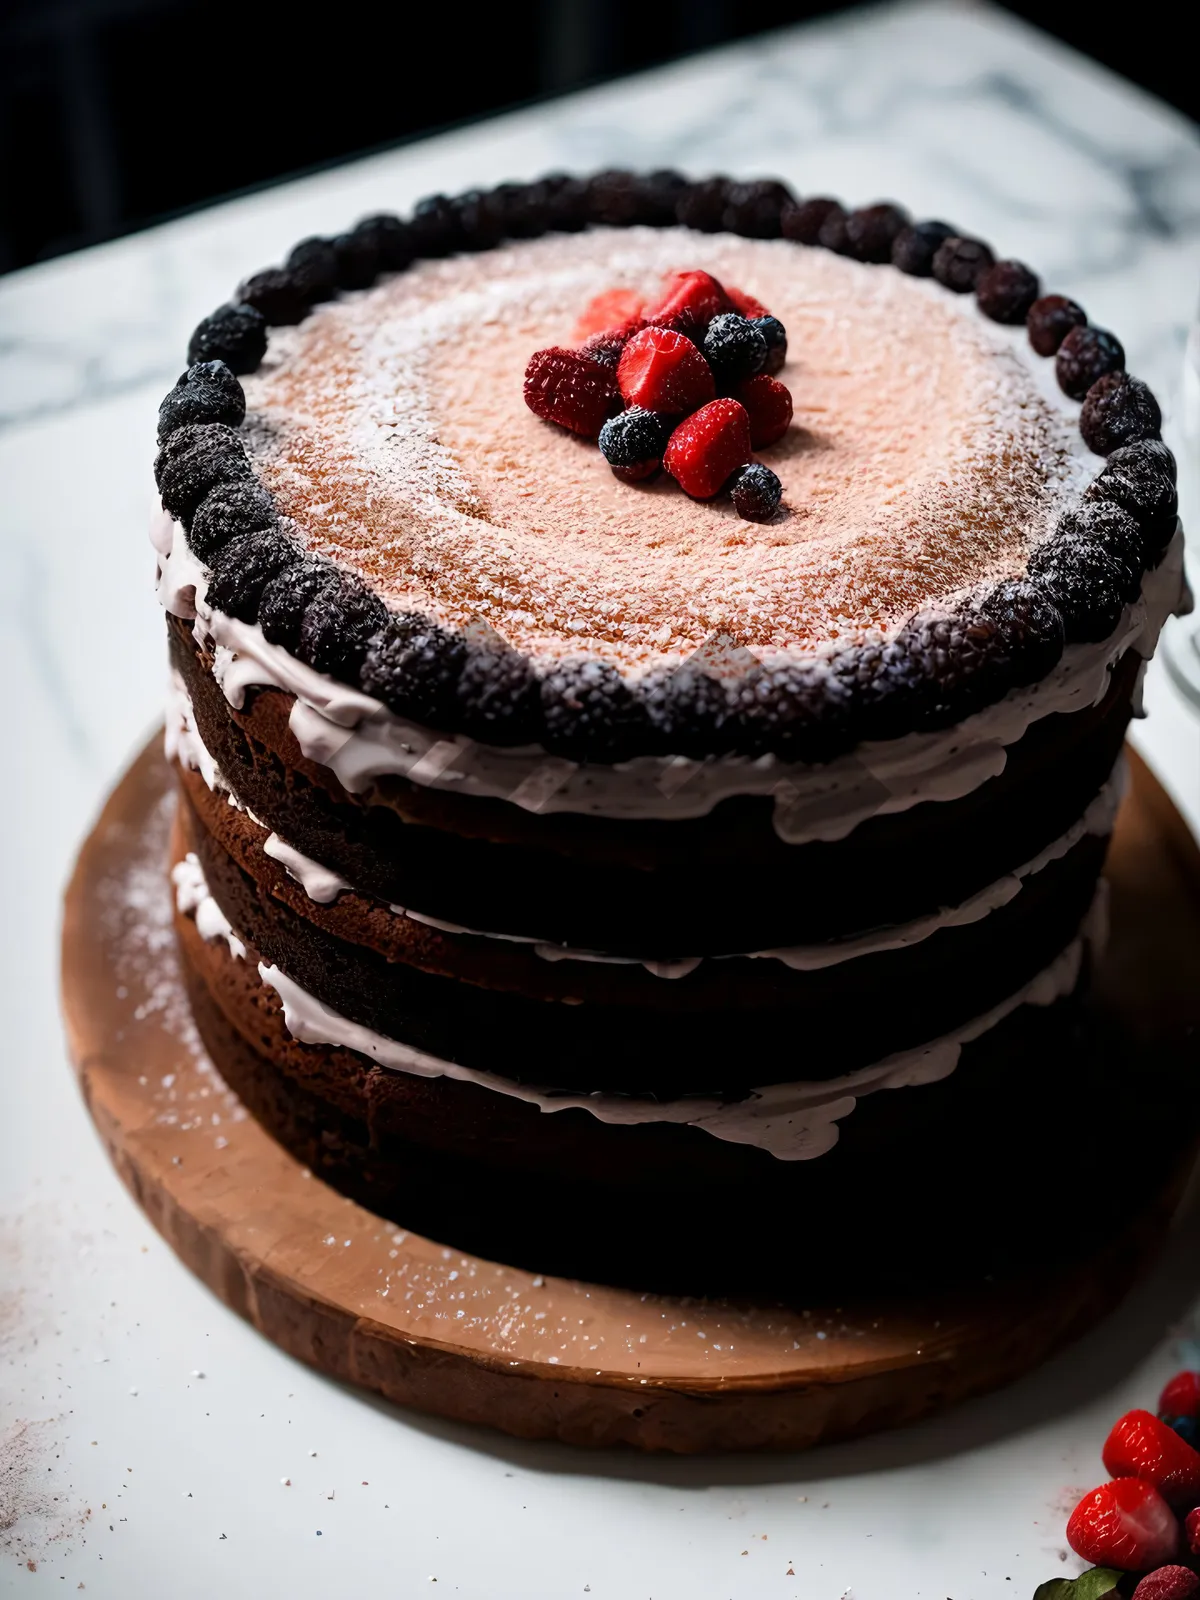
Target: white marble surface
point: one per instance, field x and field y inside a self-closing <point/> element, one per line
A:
<point x="175" y="1488"/>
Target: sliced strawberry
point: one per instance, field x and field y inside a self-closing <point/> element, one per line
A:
<point x="689" y="302"/>
<point x="746" y="303"/>
<point x="1168" y="1583"/>
<point x="1181" y="1396"/>
<point x="608" y="310"/>
<point x="660" y="370"/>
<point x="707" y="447"/>
<point x="571" y="389"/>
<point x="1191" y="1531"/>
<point x="1125" y="1524"/>
<point x="768" y="404"/>
<point x="1140" y="1446"/>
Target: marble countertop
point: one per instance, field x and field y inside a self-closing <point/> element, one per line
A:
<point x="122" y="1471"/>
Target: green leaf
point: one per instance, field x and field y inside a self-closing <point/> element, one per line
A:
<point x="1089" y="1585"/>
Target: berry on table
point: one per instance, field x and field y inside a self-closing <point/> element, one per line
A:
<point x="1141" y="1446"/>
<point x="1125" y="1524"/>
<point x="1180" y="1396"/>
<point x="1118" y="410"/>
<point x="689" y="302"/>
<point x="734" y="348"/>
<point x="662" y="370"/>
<point x="774" y="332"/>
<point x="959" y="263"/>
<point x="1168" y="1583"/>
<point x="756" y="493"/>
<point x="768" y="404"/>
<point x="1006" y="290"/>
<point x="707" y="447"/>
<point x="1085" y="355"/>
<point x="569" y="388"/>
<point x="634" y="439"/>
<point x="606" y="311"/>
<point x="914" y="247"/>
<point x="1050" y="320"/>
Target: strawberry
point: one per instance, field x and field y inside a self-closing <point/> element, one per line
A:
<point x="1167" y="1583"/>
<point x="1191" y="1531"/>
<point x="689" y="303"/>
<point x="1140" y="1446"/>
<point x="768" y="405"/>
<point x="707" y="447"/>
<point x="1125" y="1524"/>
<point x="1181" y="1396"/>
<point x="660" y="370"/>
<point x="747" y="304"/>
<point x="571" y="389"/>
<point x="608" y="310"/>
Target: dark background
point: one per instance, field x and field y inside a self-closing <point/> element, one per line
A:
<point x="114" y="113"/>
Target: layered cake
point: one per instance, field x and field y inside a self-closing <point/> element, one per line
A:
<point x="650" y="665"/>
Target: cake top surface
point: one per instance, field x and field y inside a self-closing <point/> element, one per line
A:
<point x="924" y="458"/>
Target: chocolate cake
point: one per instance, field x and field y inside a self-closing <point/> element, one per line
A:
<point x="567" y="863"/>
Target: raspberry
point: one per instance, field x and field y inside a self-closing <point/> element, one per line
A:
<point x="688" y="711"/>
<point x="390" y="238"/>
<point x="734" y="349"/>
<point x="753" y="209"/>
<point x="591" y="714"/>
<point x="708" y="446"/>
<point x="769" y="406"/>
<point x="804" y="220"/>
<point x="414" y="666"/>
<point x="634" y="438"/>
<point x="1006" y="290"/>
<point x="1050" y="320"/>
<point x="958" y="263"/>
<point x="746" y="304"/>
<point x="871" y="231"/>
<point x="1118" y="410"/>
<point x="1141" y="478"/>
<point x="1124" y="1524"/>
<point x="702" y="205"/>
<point x="1180" y="1396"/>
<point x="242" y="569"/>
<point x="571" y="389"/>
<point x="207" y="392"/>
<point x="226" y="511"/>
<point x="756" y="493"/>
<point x="498" y="697"/>
<point x="193" y="460"/>
<point x="689" y="302"/>
<point x="234" y="334"/>
<point x="914" y="247"/>
<point x="313" y="264"/>
<point x="661" y="370"/>
<point x="276" y="296"/>
<point x="608" y="311"/>
<point x="1168" y="1583"/>
<point x="285" y="598"/>
<point x="1085" y="355"/>
<point x="774" y="332"/>
<point x="338" y="622"/>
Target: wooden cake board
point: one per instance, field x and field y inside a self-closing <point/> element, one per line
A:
<point x="547" y="1358"/>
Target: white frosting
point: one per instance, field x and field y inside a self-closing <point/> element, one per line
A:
<point x="793" y="1121"/>
<point x="360" y="740"/>
<point x="319" y="883"/>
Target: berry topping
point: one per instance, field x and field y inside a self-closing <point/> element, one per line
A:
<point x="702" y="205"/>
<point x="688" y="710"/>
<point x="1140" y="1446"/>
<point x="689" y="302"/>
<point x="707" y="447"/>
<point x="1191" y="1531"/>
<point x="803" y="220"/>
<point x="1125" y="1524"/>
<point x="314" y="265"/>
<point x="569" y="388"/>
<point x="590" y="713"/>
<point x="207" y="392"/>
<point x="1180" y="1396"/>
<point x="774" y="332"/>
<point x="340" y="619"/>
<point x="734" y="349"/>
<point x="634" y="438"/>
<point x="608" y="311"/>
<point x="242" y="569"/>
<point x="286" y="596"/>
<point x="746" y="304"/>
<point x="1188" y="1429"/>
<point x="834" y="235"/>
<point x="756" y="492"/>
<point x="234" y="334"/>
<point x="1168" y="1583"/>
<point x="480" y="224"/>
<point x="226" y="511"/>
<point x="1050" y="320"/>
<point x="1085" y="355"/>
<point x="1141" y="478"/>
<point x="871" y="231"/>
<point x="754" y="209"/>
<point x="277" y="296"/>
<point x="793" y="709"/>
<point x="436" y="227"/>
<point x="661" y="370"/>
<point x="498" y="697"/>
<point x="1006" y="291"/>
<point x="959" y="263"/>
<point x="193" y="460"/>
<point x="1086" y="584"/>
<point x="769" y="406"/>
<point x="357" y="255"/>
<point x="606" y="347"/>
<point x="414" y="666"/>
<point x="1118" y="410"/>
<point x="914" y="247"/>
<point x="390" y="238"/>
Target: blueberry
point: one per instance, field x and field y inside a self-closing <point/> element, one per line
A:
<point x="757" y="493"/>
<point x="734" y="348"/>
<point x="634" y="436"/>
<point x="1085" y="355"/>
<point x="1006" y="291"/>
<point x="591" y="714"/>
<point x="207" y="392"/>
<point x="755" y="209"/>
<point x="339" y="620"/>
<point x="235" y="334"/>
<point x="702" y="205"/>
<point x="803" y="220"/>
<point x="313" y="263"/>
<point x="1050" y="320"/>
<point x="774" y="332"/>
<point x="193" y="460"/>
<point x="1188" y="1429"/>
<point x="277" y="296"/>
<point x="226" y="511"/>
<point x="498" y="697"/>
<point x="413" y="665"/>
<point x="958" y="263"/>
<point x="242" y="569"/>
<point x="872" y="230"/>
<point x="1118" y="410"/>
<point x="914" y="247"/>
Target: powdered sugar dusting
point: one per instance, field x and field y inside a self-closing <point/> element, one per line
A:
<point x="923" y="460"/>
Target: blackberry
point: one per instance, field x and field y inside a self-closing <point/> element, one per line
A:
<point x="633" y="437"/>
<point x="872" y="230"/>
<point x="591" y="714"/>
<point x="756" y="493"/>
<point x="688" y="712"/>
<point x="357" y="256"/>
<point x="207" y="392"/>
<point x="1118" y="410"/>
<point x="1085" y="355"/>
<point x="914" y="247"/>
<point x="1006" y="291"/>
<point x="242" y="569"/>
<point x="563" y="199"/>
<point x="1085" y="583"/>
<point x="390" y="238"/>
<point x="277" y="296"/>
<point x="958" y="263"/>
<point x="833" y="234"/>
<point x="413" y="666"/>
<point x="1050" y="320"/>
<point x="662" y="191"/>
<point x="955" y="666"/>
<point x="802" y="220"/>
<point x="702" y="205"/>
<point x="1116" y="530"/>
<point x="796" y="711"/>
<point x="435" y="227"/>
<point x="1029" y="636"/>
<point x="314" y="265"/>
<point x="285" y="597"/>
<point x="340" y="618"/>
<point x="883" y="683"/>
<point x="498" y="698"/>
<point x="194" y="459"/>
<point x="480" y="220"/>
<point x="1141" y="478"/>
<point x="775" y="334"/>
<point x="234" y="334"/>
<point x="226" y="511"/>
<point x="518" y="208"/>
<point x="614" y="198"/>
<point x="755" y="209"/>
<point x="734" y="348"/>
